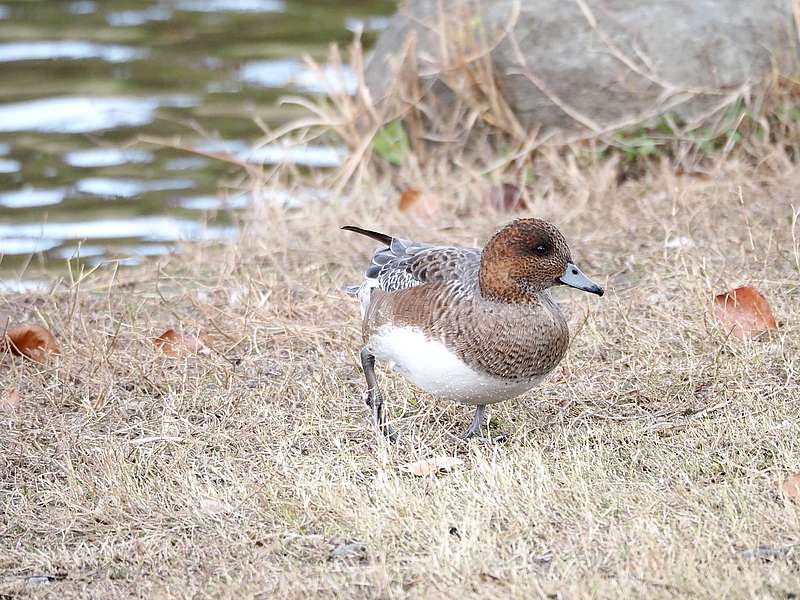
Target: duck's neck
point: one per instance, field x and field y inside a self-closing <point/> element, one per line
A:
<point x="500" y="285"/>
<point x="495" y="283"/>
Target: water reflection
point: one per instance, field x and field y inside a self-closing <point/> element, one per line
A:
<point x="290" y="73"/>
<point x="83" y="80"/>
<point x="68" y="50"/>
<point x="134" y="18"/>
<point x="9" y="166"/>
<point x="308" y="155"/>
<point x="27" y="245"/>
<point x="129" y="188"/>
<point x="155" y="228"/>
<point x="246" y="6"/>
<point x="81" y="7"/>
<point x="209" y="203"/>
<point x="105" y="157"/>
<point x="76" y="115"/>
<point x="30" y="196"/>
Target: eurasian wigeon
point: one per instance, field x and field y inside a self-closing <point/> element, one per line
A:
<point x="469" y="325"/>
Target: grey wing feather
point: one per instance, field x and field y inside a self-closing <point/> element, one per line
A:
<point x="406" y="264"/>
<point x="402" y="264"/>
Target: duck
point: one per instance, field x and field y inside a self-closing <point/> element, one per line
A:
<point x="469" y="325"/>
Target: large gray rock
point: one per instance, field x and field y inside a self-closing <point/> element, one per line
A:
<point x="588" y="66"/>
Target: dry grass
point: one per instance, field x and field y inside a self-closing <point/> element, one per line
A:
<point x="644" y="466"/>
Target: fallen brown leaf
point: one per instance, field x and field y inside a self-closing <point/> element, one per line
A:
<point x="9" y="400"/>
<point x="791" y="485"/>
<point x="745" y="312"/>
<point x="419" y="204"/>
<point x="429" y="466"/>
<point x="692" y="174"/>
<point x="173" y="343"/>
<point x="408" y="198"/>
<point x="32" y="341"/>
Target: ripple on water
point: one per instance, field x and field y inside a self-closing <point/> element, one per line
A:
<point x="8" y="165"/>
<point x="355" y="24"/>
<point x="291" y="73"/>
<point x="185" y="164"/>
<point x="76" y="115"/>
<point x="26" y="245"/>
<point x="215" y="202"/>
<point x="307" y="155"/>
<point x="129" y="188"/>
<point x="106" y="157"/>
<point x="22" y="238"/>
<point x="134" y="18"/>
<point x="68" y="50"/>
<point x="79" y="251"/>
<point x="29" y="197"/>
<point x="83" y="114"/>
<point x="82" y="7"/>
<point x="221" y="146"/>
<point x="244" y="6"/>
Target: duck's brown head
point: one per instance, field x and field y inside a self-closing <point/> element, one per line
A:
<point x="528" y="256"/>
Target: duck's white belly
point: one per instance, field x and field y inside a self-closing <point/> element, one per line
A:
<point x="434" y="368"/>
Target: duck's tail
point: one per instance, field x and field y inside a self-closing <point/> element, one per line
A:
<point x="375" y="235"/>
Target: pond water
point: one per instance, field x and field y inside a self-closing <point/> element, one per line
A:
<point x="84" y="80"/>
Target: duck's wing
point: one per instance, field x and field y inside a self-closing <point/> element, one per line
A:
<point x="402" y="264"/>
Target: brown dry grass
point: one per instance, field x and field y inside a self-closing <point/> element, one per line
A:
<point x="644" y="466"/>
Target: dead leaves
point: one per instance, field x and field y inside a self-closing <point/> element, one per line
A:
<point x="38" y="343"/>
<point x="32" y="341"/>
<point x="176" y="344"/>
<point x="744" y="312"/>
<point x="502" y="198"/>
<point x="431" y="466"/>
<point x="422" y="205"/>
<point x="790" y="486"/>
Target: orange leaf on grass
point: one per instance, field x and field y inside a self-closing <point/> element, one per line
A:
<point x="791" y="485"/>
<point x="408" y="198"/>
<point x="32" y="341"/>
<point x="419" y="204"/>
<point x="745" y="312"/>
<point x="692" y="174"/>
<point x="173" y="343"/>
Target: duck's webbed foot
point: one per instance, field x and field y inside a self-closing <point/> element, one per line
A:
<point x="474" y="429"/>
<point x="374" y="397"/>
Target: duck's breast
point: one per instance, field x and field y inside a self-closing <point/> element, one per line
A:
<point x="432" y="366"/>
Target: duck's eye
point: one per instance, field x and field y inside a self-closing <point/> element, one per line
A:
<point x="540" y="250"/>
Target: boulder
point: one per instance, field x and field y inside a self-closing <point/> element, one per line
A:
<point x="581" y="67"/>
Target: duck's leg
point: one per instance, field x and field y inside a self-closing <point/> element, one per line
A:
<point x="375" y="397"/>
<point x="474" y="429"/>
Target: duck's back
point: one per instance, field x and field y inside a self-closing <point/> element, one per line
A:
<point x="405" y="264"/>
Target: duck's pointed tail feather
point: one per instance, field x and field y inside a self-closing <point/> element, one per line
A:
<point x="375" y="235"/>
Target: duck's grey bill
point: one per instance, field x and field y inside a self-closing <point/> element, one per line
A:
<point x="574" y="277"/>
